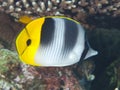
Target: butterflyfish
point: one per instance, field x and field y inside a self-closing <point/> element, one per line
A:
<point x="53" y="41"/>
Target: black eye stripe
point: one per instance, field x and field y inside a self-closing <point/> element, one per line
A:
<point x="27" y="31"/>
<point x="28" y="42"/>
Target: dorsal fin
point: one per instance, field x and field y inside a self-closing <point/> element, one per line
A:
<point x="25" y="19"/>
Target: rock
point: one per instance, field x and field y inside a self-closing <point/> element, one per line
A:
<point x="1" y="46"/>
<point x="8" y="30"/>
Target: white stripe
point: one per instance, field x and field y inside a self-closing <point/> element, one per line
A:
<point x="52" y="53"/>
<point x="79" y="46"/>
<point x="56" y="47"/>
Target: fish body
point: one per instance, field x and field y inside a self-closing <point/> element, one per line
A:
<point x="52" y="41"/>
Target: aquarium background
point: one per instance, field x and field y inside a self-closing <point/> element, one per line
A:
<point x="100" y="19"/>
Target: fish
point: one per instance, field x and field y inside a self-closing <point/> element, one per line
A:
<point x="53" y="41"/>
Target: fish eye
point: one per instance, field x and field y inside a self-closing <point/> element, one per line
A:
<point x="28" y="42"/>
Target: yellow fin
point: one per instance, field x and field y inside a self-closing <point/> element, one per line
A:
<point x="25" y="19"/>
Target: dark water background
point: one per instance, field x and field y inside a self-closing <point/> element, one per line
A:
<point x="107" y="43"/>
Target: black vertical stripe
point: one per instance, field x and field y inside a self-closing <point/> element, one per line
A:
<point x="71" y="34"/>
<point x="47" y="33"/>
<point x="86" y="48"/>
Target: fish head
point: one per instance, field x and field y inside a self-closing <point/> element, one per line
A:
<point x="28" y="41"/>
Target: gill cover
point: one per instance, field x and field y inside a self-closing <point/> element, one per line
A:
<point x="27" y="41"/>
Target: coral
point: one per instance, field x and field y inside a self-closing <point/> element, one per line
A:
<point x="4" y="85"/>
<point x="55" y="79"/>
<point x="78" y="10"/>
<point x="7" y="57"/>
<point x="14" y="74"/>
<point x="8" y="65"/>
<point x="113" y="71"/>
